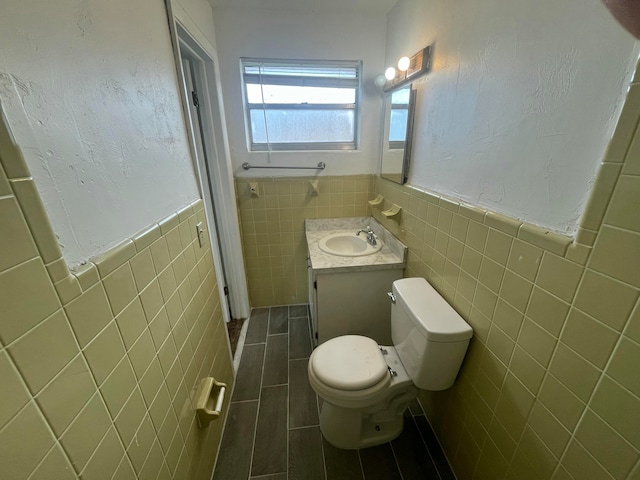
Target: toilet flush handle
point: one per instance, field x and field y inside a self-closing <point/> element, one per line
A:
<point x="392" y="297"/>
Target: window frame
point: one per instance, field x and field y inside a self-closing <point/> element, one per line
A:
<point x="293" y="80"/>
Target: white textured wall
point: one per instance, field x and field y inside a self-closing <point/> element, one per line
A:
<point x="91" y="94"/>
<point x="296" y="35"/>
<point x="520" y="105"/>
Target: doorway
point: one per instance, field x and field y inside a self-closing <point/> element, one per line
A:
<point x="204" y="117"/>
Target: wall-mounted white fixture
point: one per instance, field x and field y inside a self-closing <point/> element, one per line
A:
<point x="253" y="188"/>
<point x="408" y="69"/>
<point x="209" y="399"/>
<point x="314" y="188"/>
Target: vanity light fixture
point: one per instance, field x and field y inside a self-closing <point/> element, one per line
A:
<point x="380" y="80"/>
<point x="390" y="73"/>
<point x="403" y="64"/>
<point x="408" y="69"/>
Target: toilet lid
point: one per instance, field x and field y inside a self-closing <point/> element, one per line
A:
<point x="349" y="362"/>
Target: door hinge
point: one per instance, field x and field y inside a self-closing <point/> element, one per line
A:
<point x="194" y="97"/>
<point x="316" y="335"/>
<point x="226" y="290"/>
<point x="315" y="285"/>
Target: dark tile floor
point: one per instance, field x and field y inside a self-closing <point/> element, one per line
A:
<point x="272" y="431"/>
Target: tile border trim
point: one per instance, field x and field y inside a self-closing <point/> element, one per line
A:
<point x="89" y="274"/>
<point x="541" y="237"/>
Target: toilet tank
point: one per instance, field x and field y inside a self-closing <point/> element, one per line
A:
<point x="429" y="335"/>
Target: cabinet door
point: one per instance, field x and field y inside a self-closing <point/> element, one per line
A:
<point x="355" y="303"/>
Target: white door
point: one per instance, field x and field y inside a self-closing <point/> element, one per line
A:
<point x="192" y="90"/>
<point x="205" y="117"/>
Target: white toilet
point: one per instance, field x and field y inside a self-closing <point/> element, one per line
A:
<point x="367" y="387"/>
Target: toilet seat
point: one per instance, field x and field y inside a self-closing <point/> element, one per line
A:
<point x="366" y="365"/>
<point x="370" y="395"/>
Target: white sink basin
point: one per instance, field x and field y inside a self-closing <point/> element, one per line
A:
<point x="347" y="245"/>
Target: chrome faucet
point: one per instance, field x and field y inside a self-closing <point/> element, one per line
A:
<point x="371" y="237"/>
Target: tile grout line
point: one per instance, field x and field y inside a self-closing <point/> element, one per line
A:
<point x="255" y="428"/>
<point x="322" y="452"/>
<point x="361" y="465"/>
<point x="431" y="454"/>
<point x="304" y="426"/>
<point x="507" y="371"/>
<point x="601" y="376"/>
<point x="395" y="458"/>
<point x="424" y="440"/>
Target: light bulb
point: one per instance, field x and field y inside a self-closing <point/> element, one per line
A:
<point x="380" y="80"/>
<point x="390" y="73"/>
<point x="403" y="64"/>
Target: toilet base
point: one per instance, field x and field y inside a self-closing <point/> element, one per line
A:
<point x="349" y="428"/>
<point x="342" y="429"/>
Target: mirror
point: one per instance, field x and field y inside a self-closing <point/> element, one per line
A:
<point x="397" y="133"/>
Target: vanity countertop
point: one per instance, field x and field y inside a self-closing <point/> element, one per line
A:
<point x="392" y="255"/>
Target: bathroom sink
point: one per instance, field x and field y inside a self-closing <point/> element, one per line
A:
<point x="346" y="244"/>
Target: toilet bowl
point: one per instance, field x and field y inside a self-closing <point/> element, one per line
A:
<point x="367" y="387"/>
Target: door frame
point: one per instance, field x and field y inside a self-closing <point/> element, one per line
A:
<point x="218" y="194"/>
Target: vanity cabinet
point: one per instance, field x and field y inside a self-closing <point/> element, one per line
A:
<point x="348" y="295"/>
<point x="353" y="303"/>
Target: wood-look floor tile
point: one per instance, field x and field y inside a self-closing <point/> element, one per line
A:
<point x="272" y="357"/>
<point x="411" y="453"/>
<point x="278" y="320"/>
<point x="298" y="311"/>
<point x="270" y="449"/>
<point x="415" y="408"/>
<point x="341" y="464"/>
<point x="305" y="454"/>
<point x="249" y="373"/>
<point x="299" y="338"/>
<point x="276" y="360"/>
<point x="234" y="460"/>
<point x="258" y="324"/>
<point x="303" y="405"/>
<point x="378" y="463"/>
<point x="433" y="446"/>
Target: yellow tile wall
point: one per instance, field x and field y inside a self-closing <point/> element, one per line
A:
<point x="550" y="386"/>
<point x="99" y="367"/>
<point x="272" y="226"/>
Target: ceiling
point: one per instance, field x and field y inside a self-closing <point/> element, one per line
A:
<point x="337" y="6"/>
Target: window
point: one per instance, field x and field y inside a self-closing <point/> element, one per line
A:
<point x="301" y="105"/>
